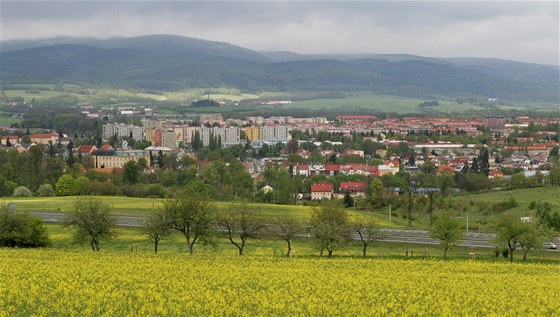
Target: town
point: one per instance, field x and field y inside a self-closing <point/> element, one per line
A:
<point x="329" y="157"/>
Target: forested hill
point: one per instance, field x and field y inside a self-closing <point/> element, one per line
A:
<point x="164" y="62"/>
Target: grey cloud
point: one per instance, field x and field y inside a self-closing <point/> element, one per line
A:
<point x="517" y="30"/>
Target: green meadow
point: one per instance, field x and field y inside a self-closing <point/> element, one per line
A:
<point x="359" y="101"/>
<point x="128" y="206"/>
<point x="477" y="207"/>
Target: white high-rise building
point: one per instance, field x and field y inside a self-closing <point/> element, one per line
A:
<point x="275" y="134"/>
<point x="123" y="130"/>
<point x="229" y="136"/>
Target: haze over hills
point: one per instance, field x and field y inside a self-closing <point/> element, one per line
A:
<point x="169" y="62"/>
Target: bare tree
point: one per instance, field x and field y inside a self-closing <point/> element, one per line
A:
<point x="241" y="222"/>
<point x="156" y="226"/>
<point x="288" y="229"/>
<point x="369" y="231"/>
<point x="192" y="214"/>
<point x="92" y="220"/>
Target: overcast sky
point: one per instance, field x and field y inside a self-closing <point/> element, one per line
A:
<point x="519" y="30"/>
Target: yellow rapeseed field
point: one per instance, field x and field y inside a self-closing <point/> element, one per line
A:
<point x="79" y="283"/>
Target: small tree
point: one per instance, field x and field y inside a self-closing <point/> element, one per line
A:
<point x="429" y="183"/>
<point x="22" y="191"/>
<point x="330" y="226"/>
<point x="45" y="190"/>
<point x="243" y="222"/>
<point x="375" y="193"/>
<point x="447" y="230"/>
<point x="192" y="214"/>
<point x="65" y="185"/>
<point x="369" y="231"/>
<point x="510" y="231"/>
<point x="156" y="226"/>
<point x="288" y="228"/>
<point x="92" y="220"/>
<point x="532" y="238"/>
<point x="348" y="200"/>
<point x="131" y="172"/>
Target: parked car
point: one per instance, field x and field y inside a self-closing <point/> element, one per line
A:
<point x="549" y="245"/>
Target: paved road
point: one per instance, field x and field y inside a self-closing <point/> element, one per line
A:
<point x="472" y="239"/>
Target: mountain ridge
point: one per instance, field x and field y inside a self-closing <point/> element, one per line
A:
<point x="169" y="62"/>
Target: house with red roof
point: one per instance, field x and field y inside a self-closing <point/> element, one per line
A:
<point x="442" y="169"/>
<point x="85" y="149"/>
<point x="331" y="169"/>
<point x="302" y="169"/>
<point x="496" y="174"/>
<point x="322" y="191"/>
<point x="14" y="139"/>
<point x="44" y="138"/>
<point x="356" y="189"/>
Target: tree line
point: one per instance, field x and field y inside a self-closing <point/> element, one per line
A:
<point x="195" y="216"/>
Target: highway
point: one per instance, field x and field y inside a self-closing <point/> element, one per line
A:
<point x="472" y="239"/>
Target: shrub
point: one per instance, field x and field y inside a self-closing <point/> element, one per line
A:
<point x="505" y="253"/>
<point x="21" y="229"/>
<point x="156" y="190"/>
<point x="505" y="205"/>
<point x="81" y="185"/>
<point x="532" y="205"/>
<point x="22" y="191"/>
<point x="46" y="190"/>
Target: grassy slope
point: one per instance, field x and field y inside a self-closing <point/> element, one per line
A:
<point x="142" y="206"/>
<point x="351" y="101"/>
<point x="477" y="220"/>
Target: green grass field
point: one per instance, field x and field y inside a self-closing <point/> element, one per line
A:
<point x="28" y="96"/>
<point x="141" y="206"/>
<point x="351" y="101"/>
<point x="374" y="102"/>
<point x="470" y="203"/>
<point x="471" y="206"/>
<point x="6" y="122"/>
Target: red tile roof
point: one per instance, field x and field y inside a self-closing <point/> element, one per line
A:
<point x="332" y="168"/>
<point x="496" y="173"/>
<point x="322" y="187"/>
<point x="446" y="169"/>
<point x="353" y="186"/>
<point x="86" y="148"/>
<point x="43" y="136"/>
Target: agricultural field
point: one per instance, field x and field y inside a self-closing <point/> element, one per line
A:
<point x="373" y="102"/>
<point x="6" y="122"/>
<point x="80" y="283"/>
<point x="29" y="95"/>
<point x="360" y="101"/>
